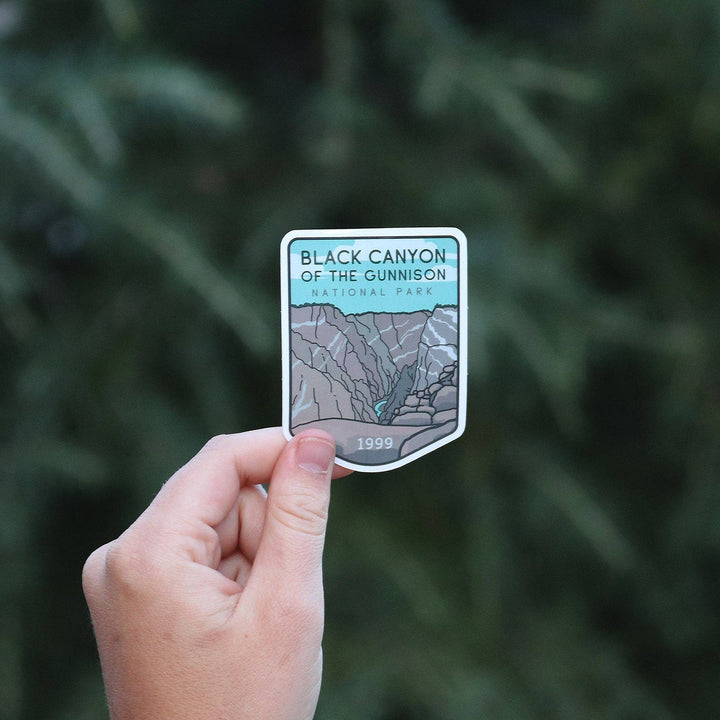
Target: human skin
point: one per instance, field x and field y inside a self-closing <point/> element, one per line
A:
<point x="210" y="606"/>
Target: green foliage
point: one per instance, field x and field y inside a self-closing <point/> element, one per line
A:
<point x="560" y="560"/>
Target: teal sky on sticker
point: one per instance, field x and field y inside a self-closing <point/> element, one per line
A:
<point x="360" y="275"/>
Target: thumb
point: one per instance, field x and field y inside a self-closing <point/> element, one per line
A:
<point x="288" y="564"/>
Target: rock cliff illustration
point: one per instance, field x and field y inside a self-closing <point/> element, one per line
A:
<point x="353" y="373"/>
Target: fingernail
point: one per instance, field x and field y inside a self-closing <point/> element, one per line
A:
<point x="314" y="455"/>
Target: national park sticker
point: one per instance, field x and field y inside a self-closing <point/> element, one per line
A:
<point x="374" y="327"/>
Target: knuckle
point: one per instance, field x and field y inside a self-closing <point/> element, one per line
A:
<point x="117" y="563"/>
<point x="216" y="443"/>
<point x="93" y="573"/>
<point x="127" y="569"/>
<point x="118" y="568"/>
<point x="304" y="512"/>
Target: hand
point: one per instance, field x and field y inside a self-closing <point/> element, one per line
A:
<point x="210" y="606"/>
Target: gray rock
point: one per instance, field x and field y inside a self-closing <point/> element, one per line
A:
<point x="404" y="410"/>
<point x="413" y="418"/>
<point x="438" y="346"/>
<point x="444" y="416"/>
<point x="342" y="366"/>
<point x="425" y="436"/>
<point x="396" y="399"/>
<point x="445" y="399"/>
<point x="318" y="395"/>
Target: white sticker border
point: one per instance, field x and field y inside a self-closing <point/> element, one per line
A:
<point x="419" y="232"/>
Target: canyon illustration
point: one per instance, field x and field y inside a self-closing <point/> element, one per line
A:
<point x="386" y="376"/>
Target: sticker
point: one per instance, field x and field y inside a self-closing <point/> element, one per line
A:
<point x="375" y="340"/>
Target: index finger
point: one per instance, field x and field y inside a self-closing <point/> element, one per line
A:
<point x="207" y="487"/>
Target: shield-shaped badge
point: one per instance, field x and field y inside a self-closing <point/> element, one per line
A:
<point x="374" y="329"/>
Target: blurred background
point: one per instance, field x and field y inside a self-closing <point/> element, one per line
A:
<point x="562" y="559"/>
